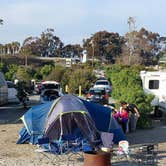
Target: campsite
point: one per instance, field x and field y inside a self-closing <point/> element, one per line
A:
<point x="25" y="154"/>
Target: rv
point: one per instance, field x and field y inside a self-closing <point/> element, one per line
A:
<point x="154" y="82"/>
<point x="3" y="90"/>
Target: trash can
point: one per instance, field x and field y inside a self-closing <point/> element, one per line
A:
<point x="97" y="159"/>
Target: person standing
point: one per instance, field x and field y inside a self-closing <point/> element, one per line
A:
<point x="133" y="114"/>
<point x="122" y="118"/>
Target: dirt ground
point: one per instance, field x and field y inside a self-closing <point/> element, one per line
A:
<point x="12" y="154"/>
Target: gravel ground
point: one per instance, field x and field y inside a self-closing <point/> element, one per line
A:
<point x="12" y="154"/>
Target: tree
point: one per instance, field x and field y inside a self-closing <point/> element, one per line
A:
<point x="23" y="75"/>
<point x="57" y="73"/>
<point x="11" y="73"/>
<point x="46" y="70"/>
<point x="49" y="44"/>
<point x="127" y="86"/>
<point x="106" y="45"/>
<point x="72" y="50"/>
<point x="142" y="49"/>
<point x="81" y="77"/>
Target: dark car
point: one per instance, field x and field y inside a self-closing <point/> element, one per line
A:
<point x="98" y="95"/>
<point x="49" y="95"/>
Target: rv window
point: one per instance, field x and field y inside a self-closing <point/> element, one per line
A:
<point x="153" y="84"/>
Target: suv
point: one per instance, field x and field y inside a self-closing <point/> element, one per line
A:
<point x="49" y="95"/>
<point x="98" y="95"/>
<point x="103" y="83"/>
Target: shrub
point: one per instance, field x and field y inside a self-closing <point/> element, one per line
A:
<point x="81" y="77"/>
<point x="127" y="86"/>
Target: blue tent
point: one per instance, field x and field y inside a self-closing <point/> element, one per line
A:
<point x="34" y="121"/>
<point x="69" y="114"/>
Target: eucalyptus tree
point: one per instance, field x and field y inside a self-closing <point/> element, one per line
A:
<point x="49" y="43"/>
<point x="145" y="48"/>
<point x="72" y="50"/>
<point x="46" y="45"/>
<point x="105" y="46"/>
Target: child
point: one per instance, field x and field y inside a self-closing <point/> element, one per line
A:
<point x="122" y="117"/>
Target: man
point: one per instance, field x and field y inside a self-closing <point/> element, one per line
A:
<point x="133" y="114"/>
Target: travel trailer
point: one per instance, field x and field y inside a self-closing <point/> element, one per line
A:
<point x="154" y="82"/>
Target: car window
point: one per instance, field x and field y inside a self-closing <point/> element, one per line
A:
<point x="50" y="86"/>
<point x="102" y="83"/>
<point x="97" y="92"/>
<point x="10" y="84"/>
<point x="51" y="92"/>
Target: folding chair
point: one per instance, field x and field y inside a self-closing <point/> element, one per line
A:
<point x="148" y="154"/>
<point x="71" y="146"/>
<point x="49" y="151"/>
<point x="107" y="139"/>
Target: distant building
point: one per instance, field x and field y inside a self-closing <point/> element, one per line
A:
<point x="84" y="57"/>
<point x="68" y="62"/>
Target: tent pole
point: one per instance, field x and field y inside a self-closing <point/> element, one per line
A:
<point x="61" y="133"/>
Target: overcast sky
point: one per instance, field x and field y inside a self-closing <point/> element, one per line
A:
<point x="74" y="20"/>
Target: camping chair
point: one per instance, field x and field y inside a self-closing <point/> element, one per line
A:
<point x="107" y="139"/>
<point x="71" y="146"/>
<point x="148" y="154"/>
<point x="49" y="151"/>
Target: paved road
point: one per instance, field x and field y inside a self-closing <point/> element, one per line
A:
<point x="11" y="112"/>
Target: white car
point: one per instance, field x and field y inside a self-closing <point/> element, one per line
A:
<point x="103" y="84"/>
<point x="12" y="92"/>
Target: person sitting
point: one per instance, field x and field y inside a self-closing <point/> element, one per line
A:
<point x="122" y="117"/>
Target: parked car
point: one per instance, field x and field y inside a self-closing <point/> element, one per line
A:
<point x="49" y="95"/>
<point x="12" y="92"/>
<point x="3" y="90"/>
<point x="103" y="83"/>
<point x="98" y="95"/>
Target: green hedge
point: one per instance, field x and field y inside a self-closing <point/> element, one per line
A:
<point x="127" y="86"/>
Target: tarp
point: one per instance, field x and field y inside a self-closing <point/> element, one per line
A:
<point x="69" y="115"/>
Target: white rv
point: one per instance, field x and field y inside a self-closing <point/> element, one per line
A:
<point x="154" y="82"/>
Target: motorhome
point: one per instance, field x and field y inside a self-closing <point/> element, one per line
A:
<point x="3" y="90"/>
<point x="154" y="82"/>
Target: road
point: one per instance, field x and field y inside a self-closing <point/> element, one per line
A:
<point x="11" y="112"/>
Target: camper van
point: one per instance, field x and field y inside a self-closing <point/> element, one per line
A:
<point x="154" y="82"/>
<point x="3" y="90"/>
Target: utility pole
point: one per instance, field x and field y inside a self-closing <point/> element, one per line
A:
<point x="93" y="51"/>
<point x="1" y="23"/>
<point x="131" y="22"/>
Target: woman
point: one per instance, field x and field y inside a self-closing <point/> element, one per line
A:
<point x="122" y="117"/>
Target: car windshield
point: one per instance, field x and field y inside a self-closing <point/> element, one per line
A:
<point x="102" y="83"/>
<point x="10" y="84"/>
<point x="51" y="92"/>
<point x="50" y="86"/>
<point x="97" y="92"/>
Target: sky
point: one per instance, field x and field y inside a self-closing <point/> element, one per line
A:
<point x="75" y="20"/>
